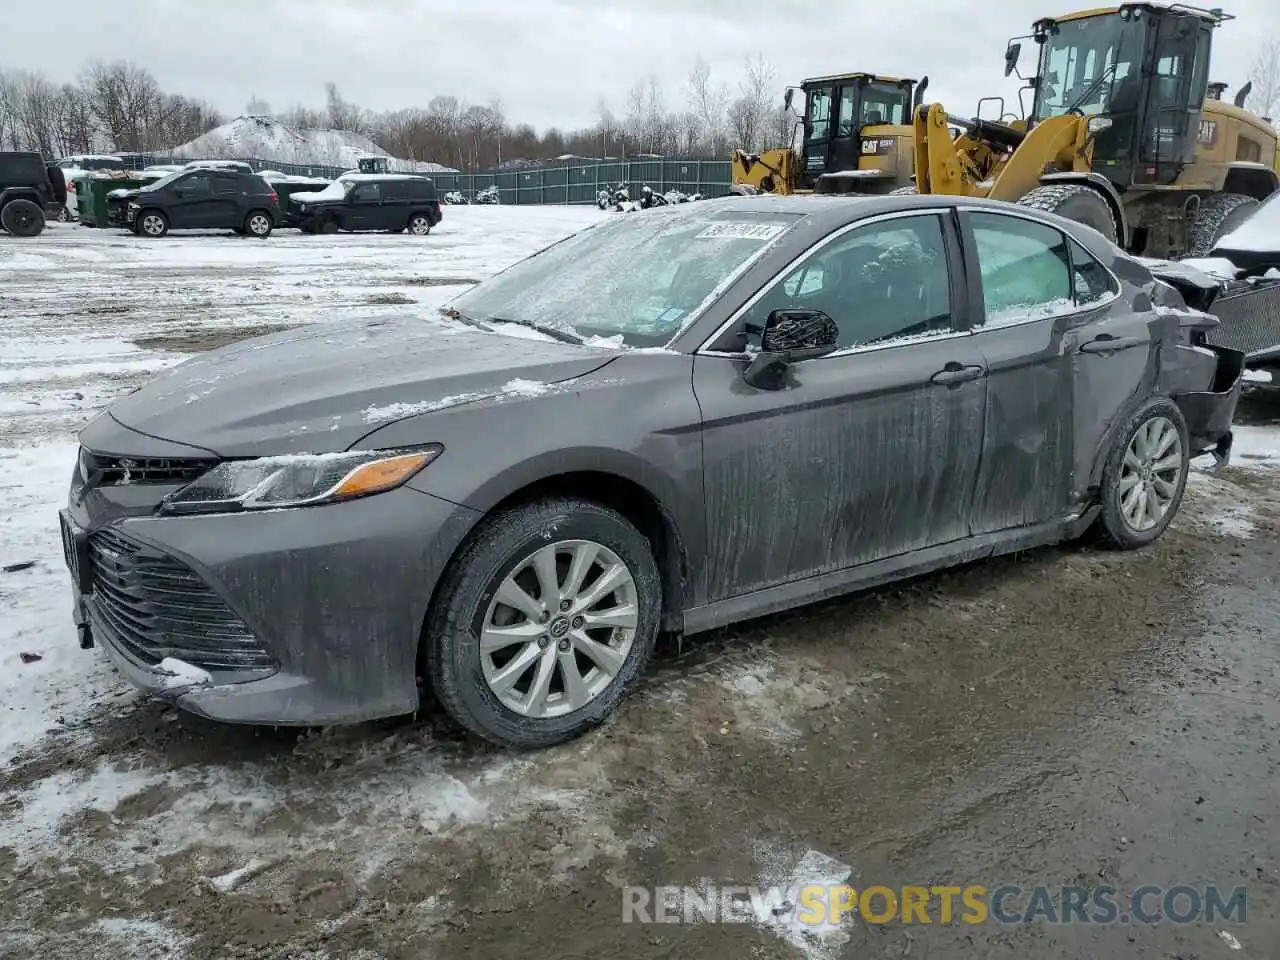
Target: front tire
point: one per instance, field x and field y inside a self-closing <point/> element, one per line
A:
<point x="151" y="223"/>
<point x="1145" y="475"/>
<point x="1076" y="202"/>
<point x="1218" y="216"/>
<point x="327" y="226"/>
<point x="258" y="224"/>
<point x="22" y="218"/>
<point x="542" y="622"/>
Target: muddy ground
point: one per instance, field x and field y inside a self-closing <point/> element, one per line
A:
<point x="1068" y="716"/>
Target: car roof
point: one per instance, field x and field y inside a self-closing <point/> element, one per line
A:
<point x="376" y="177"/>
<point x="830" y="211"/>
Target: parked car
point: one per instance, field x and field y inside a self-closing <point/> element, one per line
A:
<point x="369" y="201"/>
<point x="28" y="190"/>
<point x="671" y="421"/>
<point x="202" y="198"/>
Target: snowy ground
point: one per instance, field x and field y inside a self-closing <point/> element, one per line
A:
<point x="129" y="830"/>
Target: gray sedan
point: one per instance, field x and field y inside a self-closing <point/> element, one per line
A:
<point x="670" y="421"/>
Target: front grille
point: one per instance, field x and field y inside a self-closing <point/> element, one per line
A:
<point x="154" y="607"/>
<point x="108" y="471"/>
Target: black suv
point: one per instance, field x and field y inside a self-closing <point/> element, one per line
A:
<point x="28" y="187"/>
<point x="202" y="199"/>
<point x="365" y="201"/>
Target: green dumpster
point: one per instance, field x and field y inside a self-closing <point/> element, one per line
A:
<point x="91" y="198"/>
<point x="286" y="188"/>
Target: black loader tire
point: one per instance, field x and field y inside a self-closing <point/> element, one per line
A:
<point x="1219" y="215"/>
<point x="451" y="636"/>
<point x="1116" y="531"/>
<point x="1077" y="202"/>
<point x="22" y="218"/>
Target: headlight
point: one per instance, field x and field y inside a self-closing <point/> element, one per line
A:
<point x="297" y="481"/>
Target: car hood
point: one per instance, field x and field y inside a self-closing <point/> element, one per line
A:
<point x="124" y="193"/>
<point x="321" y="389"/>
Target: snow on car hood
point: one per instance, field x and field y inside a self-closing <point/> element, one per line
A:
<point x="321" y="389"/>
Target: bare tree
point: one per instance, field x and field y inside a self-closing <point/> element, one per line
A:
<point x="257" y="107"/>
<point x="124" y="99"/>
<point x="1265" y="74"/>
<point x="751" y="114"/>
<point x="342" y="115"/>
<point x="709" y="104"/>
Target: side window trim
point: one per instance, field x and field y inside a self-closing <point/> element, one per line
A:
<point x="970" y="243"/>
<point x="959" y="297"/>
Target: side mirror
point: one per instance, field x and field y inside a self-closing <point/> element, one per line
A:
<point x="1011" y="56"/>
<point x="790" y="336"/>
<point x="788" y="97"/>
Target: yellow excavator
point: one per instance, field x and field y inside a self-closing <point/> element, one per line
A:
<point x="857" y="139"/>
<point x="1125" y="133"/>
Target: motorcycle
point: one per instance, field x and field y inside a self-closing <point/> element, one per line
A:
<point x="489" y="195"/>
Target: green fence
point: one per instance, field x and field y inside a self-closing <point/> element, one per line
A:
<point x="579" y="183"/>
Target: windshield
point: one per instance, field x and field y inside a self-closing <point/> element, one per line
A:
<point x="641" y="277"/>
<point x="883" y="103"/>
<point x="165" y="180"/>
<point x="1077" y="53"/>
<point x="819" y="113"/>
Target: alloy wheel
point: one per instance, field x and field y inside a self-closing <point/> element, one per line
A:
<point x="1149" y="474"/>
<point x="259" y="225"/>
<point x="419" y="226"/>
<point x="152" y="225"/>
<point x="559" y="629"/>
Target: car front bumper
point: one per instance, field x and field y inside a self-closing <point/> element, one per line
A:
<point x="305" y="616"/>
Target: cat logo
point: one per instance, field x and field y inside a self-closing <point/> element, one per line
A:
<point x="1208" y="132"/>
<point x="877" y="146"/>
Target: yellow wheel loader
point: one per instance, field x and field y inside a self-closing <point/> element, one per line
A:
<point x="857" y="139"/>
<point x="1125" y="133"/>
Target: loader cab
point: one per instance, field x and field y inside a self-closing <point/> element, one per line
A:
<point x="837" y="109"/>
<point x="1140" y="73"/>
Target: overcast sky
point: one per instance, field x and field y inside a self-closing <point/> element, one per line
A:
<point x="548" y="61"/>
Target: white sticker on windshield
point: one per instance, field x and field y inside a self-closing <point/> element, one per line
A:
<point x="740" y="230"/>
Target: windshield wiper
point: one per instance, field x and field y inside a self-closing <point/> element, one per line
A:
<point x="564" y="336"/>
<point x="453" y="313"/>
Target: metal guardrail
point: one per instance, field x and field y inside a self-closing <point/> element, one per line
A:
<point x="577" y="182"/>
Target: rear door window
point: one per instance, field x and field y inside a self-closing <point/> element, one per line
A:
<point x="395" y="190"/>
<point x="226" y="184"/>
<point x="366" y="192"/>
<point x="1025" y="268"/>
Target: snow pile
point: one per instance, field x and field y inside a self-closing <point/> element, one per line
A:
<point x="1260" y="233"/>
<point x="268" y="139"/>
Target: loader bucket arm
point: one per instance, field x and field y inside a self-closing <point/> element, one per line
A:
<point x="940" y="167"/>
<point x="1056" y="144"/>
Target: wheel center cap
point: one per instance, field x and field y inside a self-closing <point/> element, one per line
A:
<point x="559" y="627"/>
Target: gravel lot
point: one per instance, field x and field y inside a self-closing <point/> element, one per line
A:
<point x="1066" y="716"/>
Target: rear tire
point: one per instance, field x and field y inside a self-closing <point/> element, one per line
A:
<point x="593" y="670"/>
<point x="419" y="225"/>
<point x="22" y="218"/>
<point x="1076" y="202"/>
<point x="1219" y="215"/>
<point x="1145" y="475"/>
<point x="258" y="224"/>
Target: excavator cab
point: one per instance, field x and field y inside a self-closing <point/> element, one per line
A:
<point x="1140" y="73"/>
<point x="842" y="126"/>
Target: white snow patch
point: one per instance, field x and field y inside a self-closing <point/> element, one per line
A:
<point x="179" y="673"/>
<point x="1255" y="446"/>
<point x="1257" y="376"/>
<point x="142" y="938"/>
<point x="398" y="411"/>
<point x="1230" y="940"/>
<point x="779" y="869"/>
<point x="526" y="388"/>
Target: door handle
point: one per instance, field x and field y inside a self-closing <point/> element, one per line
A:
<point x="956" y="373"/>
<point x="1105" y="343"/>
